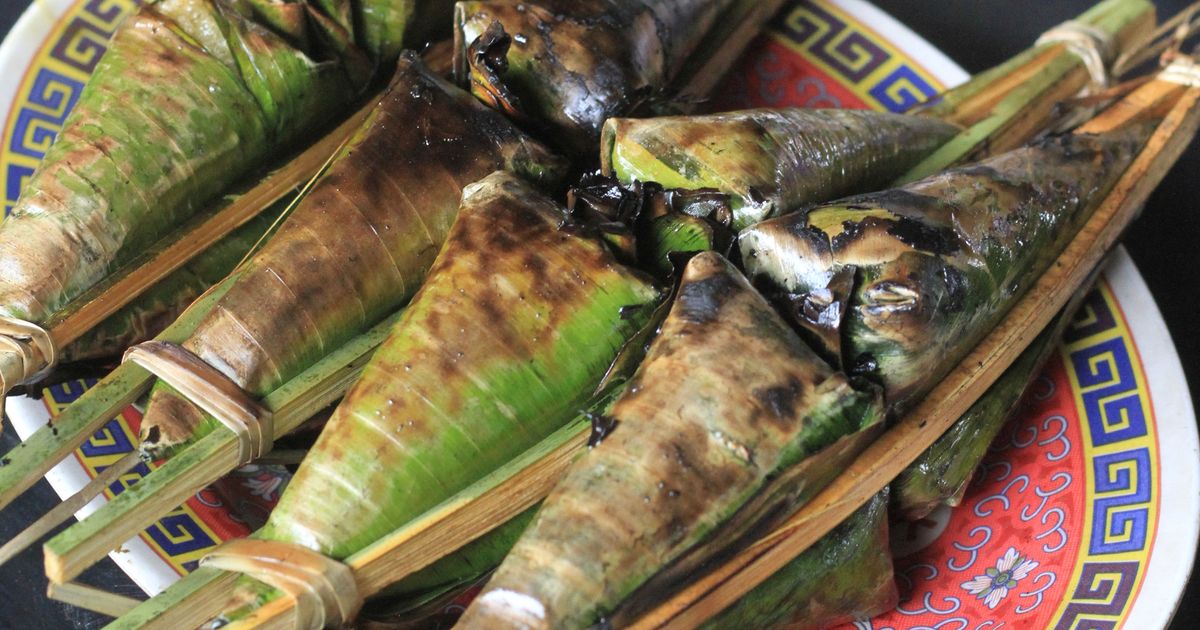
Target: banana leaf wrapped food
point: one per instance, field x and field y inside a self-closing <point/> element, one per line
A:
<point x="356" y="248"/>
<point x="158" y="306"/>
<point x="770" y="161"/>
<point x="509" y="338"/>
<point x="568" y="65"/>
<point x="845" y="576"/>
<point x="933" y="265"/>
<point x="895" y="285"/>
<point x="698" y="451"/>
<point x="192" y="98"/>
<point x="941" y="474"/>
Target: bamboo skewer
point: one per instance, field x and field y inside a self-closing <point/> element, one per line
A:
<point x="1021" y="97"/>
<point x="64" y="510"/>
<point x="887" y="457"/>
<point x="213" y="456"/>
<point x="459" y="520"/>
<point x="31" y="459"/>
<point x="1129" y="23"/>
<point x="21" y="467"/>
<point x="92" y="598"/>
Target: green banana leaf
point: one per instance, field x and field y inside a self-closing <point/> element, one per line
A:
<point x="844" y="576"/>
<point x="898" y="285"/>
<point x="191" y="96"/>
<point x="509" y="338"/>
<point x="568" y="65"/>
<point x="702" y="447"/>
<point x="356" y="248"/>
<point x="770" y="162"/>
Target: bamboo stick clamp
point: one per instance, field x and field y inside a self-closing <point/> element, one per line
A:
<point x="212" y="391"/>
<point x="33" y="355"/>
<point x="1093" y="46"/>
<point x="324" y="589"/>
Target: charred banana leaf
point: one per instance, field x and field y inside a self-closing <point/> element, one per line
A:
<point x="159" y="305"/>
<point x="695" y="447"/>
<point x="509" y="338"/>
<point x="941" y="474"/>
<point x="568" y="65"/>
<point x="770" y="162"/>
<point x="897" y="285"/>
<point x="356" y="248"/>
<point x="847" y="575"/>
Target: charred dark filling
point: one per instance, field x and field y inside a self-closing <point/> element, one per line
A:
<point x="851" y="231"/>
<point x="956" y="289"/>
<point x="864" y="365"/>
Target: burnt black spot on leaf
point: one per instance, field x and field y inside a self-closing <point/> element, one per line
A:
<point x="700" y="301"/>
<point x="918" y="235"/>
<point x="781" y="399"/>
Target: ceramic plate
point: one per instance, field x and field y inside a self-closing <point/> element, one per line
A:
<point x="1069" y="504"/>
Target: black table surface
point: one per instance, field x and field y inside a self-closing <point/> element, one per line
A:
<point x="977" y="34"/>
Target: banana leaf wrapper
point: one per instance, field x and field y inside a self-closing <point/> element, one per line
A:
<point x="356" y="248"/>
<point x="844" y="576"/>
<point x="900" y="284"/>
<point x="770" y="161"/>
<point x="390" y="26"/>
<point x="696" y="445"/>
<point x="941" y="474"/>
<point x="153" y="310"/>
<point x="508" y="340"/>
<point x="191" y="96"/>
<point x="568" y="65"/>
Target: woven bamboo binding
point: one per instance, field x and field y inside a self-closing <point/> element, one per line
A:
<point x="212" y="391"/>
<point x="324" y="589"/>
<point x="27" y="340"/>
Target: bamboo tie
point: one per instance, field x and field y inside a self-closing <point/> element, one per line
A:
<point x="212" y="391"/>
<point x="324" y="589"/>
<point x="31" y="353"/>
<point x="1093" y="46"/>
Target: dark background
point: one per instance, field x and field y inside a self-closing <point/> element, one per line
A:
<point x="977" y="34"/>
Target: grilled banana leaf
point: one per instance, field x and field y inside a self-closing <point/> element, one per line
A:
<point x="897" y="285"/>
<point x="770" y="162"/>
<point x="158" y="306"/>
<point x="356" y="248"/>
<point x="847" y="575"/>
<point x="191" y="96"/>
<point x="568" y="65"/>
<point x="507" y="341"/>
<point x="941" y="474"/>
<point x="698" y="443"/>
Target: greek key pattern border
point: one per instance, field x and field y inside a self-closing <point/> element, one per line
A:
<point x="861" y="60"/>
<point x="1113" y="400"/>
